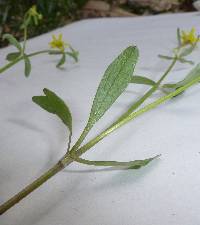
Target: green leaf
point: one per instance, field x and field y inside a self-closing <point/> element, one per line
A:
<point x="142" y="80"/>
<point x="165" y="57"/>
<point x="115" y="80"/>
<point x="62" y="60"/>
<point x="27" y="68"/>
<point x="74" y="55"/>
<point x="12" y="40"/>
<point x="182" y="60"/>
<point x="193" y="74"/>
<point x="136" y="164"/>
<point x="54" y="104"/>
<point x="179" y="37"/>
<point x="12" y="56"/>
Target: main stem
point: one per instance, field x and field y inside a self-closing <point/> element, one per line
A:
<point x="8" y="65"/>
<point x="67" y="160"/>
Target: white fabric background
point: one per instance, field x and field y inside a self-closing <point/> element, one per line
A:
<point x="165" y="192"/>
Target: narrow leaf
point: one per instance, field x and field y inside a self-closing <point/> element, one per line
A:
<point x="142" y="80"/>
<point x="115" y="80"/>
<point x="27" y="68"/>
<point x="136" y="164"/>
<point x="182" y="60"/>
<point x="54" y="104"/>
<point x="193" y="74"/>
<point x="178" y="37"/>
<point x="74" y="55"/>
<point x="12" y="56"/>
<point x="62" y="60"/>
<point x="165" y="57"/>
<point x="12" y="40"/>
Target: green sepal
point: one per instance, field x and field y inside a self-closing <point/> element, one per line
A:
<point x="54" y="104"/>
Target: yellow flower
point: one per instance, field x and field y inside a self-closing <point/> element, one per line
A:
<point x="58" y="43"/>
<point x="189" y="37"/>
<point x="32" y="12"/>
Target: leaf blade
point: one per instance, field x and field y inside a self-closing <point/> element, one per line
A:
<point x="62" y="61"/>
<point x="136" y="164"/>
<point x="12" y="56"/>
<point x="142" y="80"/>
<point x="193" y="74"/>
<point x="54" y="104"/>
<point x="27" y="68"/>
<point x="116" y="78"/>
<point x="12" y="40"/>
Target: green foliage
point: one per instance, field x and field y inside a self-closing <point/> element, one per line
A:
<point x="12" y="40"/>
<point x="136" y="164"/>
<point x="193" y="74"/>
<point x="116" y="78"/>
<point x="142" y="80"/>
<point x="54" y="104"/>
<point x="12" y="56"/>
<point x="55" y="13"/>
<point x="27" y="67"/>
<point x="62" y="60"/>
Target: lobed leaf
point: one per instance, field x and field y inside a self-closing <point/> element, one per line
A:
<point x="116" y="78"/>
<point x="12" y="40"/>
<point x="54" y="104"/>
<point x="142" y="80"/>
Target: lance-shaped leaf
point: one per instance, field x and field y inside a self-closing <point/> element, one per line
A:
<point x="116" y="78"/>
<point x="12" y="40"/>
<point x="182" y="60"/>
<point x="54" y="104"/>
<point x="62" y="60"/>
<point x="136" y="164"/>
<point x="142" y="80"/>
<point x="193" y="74"/>
<point x="13" y="55"/>
<point x="166" y="57"/>
<point x="178" y="33"/>
<point x="27" y="66"/>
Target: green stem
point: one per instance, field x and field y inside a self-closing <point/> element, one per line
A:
<point x="25" y="39"/>
<point x="128" y="112"/>
<point x="8" y="65"/>
<point x="148" y="93"/>
<point x="31" y="187"/>
<point x="132" y="116"/>
<point x="67" y="160"/>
